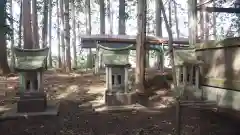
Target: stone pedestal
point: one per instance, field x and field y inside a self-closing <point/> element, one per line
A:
<point x="120" y="98"/>
<point x="32" y="102"/>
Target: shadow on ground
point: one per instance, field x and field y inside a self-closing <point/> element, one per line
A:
<point x="76" y="116"/>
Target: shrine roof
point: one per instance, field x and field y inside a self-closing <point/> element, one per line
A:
<point x="185" y="57"/>
<point x="92" y="40"/>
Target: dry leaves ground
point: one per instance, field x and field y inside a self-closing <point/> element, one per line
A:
<point x="74" y="90"/>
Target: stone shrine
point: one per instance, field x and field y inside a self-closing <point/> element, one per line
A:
<point x="117" y="85"/>
<point x="30" y="64"/>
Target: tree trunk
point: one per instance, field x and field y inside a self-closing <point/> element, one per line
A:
<point x="140" y="48"/>
<point x="192" y="22"/>
<point x="214" y="22"/>
<point x="170" y="42"/>
<point x="160" y="58"/>
<point x="102" y="31"/>
<point x="62" y="35"/>
<point x="88" y="17"/>
<point x="170" y="13"/>
<point x="74" y="34"/>
<point x="45" y="24"/>
<point x="20" y="28"/>
<point x="102" y="17"/>
<point x="35" y="24"/>
<point x="110" y="19"/>
<point x="4" y="68"/>
<point x="50" y="34"/>
<point x="58" y="35"/>
<point x="88" y="29"/>
<point x="12" y="36"/>
<point x="27" y="30"/>
<point x="121" y="23"/>
<point x="176" y="18"/>
<point x="67" y="36"/>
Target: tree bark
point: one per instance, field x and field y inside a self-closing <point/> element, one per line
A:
<point x="170" y="13"/>
<point x="170" y="42"/>
<point x="20" y="28"/>
<point x="67" y="35"/>
<point x="192" y="22"/>
<point x="27" y="30"/>
<point x="176" y="18"/>
<point x="4" y="68"/>
<point x="160" y="58"/>
<point x="102" y="17"/>
<point x="62" y="35"/>
<point x="121" y="23"/>
<point x="58" y="35"/>
<point x="35" y="24"/>
<point x="50" y="34"/>
<point x="88" y="28"/>
<point x="110" y="19"/>
<point x="140" y="48"/>
<point x="74" y="34"/>
<point x="45" y="24"/>
<point x="12" y="36"/>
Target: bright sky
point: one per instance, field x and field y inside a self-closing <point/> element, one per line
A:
<point x="130" y="23"/>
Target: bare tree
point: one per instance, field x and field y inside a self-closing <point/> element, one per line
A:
<point x="74" y="34"/>
<point x="35" y="24"/>
<point x="27" y="30"/>
<point x="50" y="34"/>
<point x="20" y="27"/>
<point x="67" y="35"/>
<point x="62" y="35"/>
<point x="140" y="47"/>
<point x="58" y="35"/>
<point x="170" y="42"/>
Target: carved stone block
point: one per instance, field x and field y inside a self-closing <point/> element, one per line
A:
<point x="32" y="102"/>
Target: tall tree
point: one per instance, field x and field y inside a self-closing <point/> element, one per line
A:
<point x="20" y="27"/>
<point x="62" y="35"/>
<point x="160" y="58"/>
<point x="27" y="30"/>
<point x="110" y="16"/>
<point x="121" y="23"/>
<point x="4" y="68"/>
<point x="176" y="18"/>
<point x="102" y="31"/>
<point x="45" y="24"/>
<point x="170" y="42"/>
<point x="12" y="34"/>
<point x="170" y="13"/>
<point x="50" y="34"/>
<point x="58" y="35"/>
<point x="140" y="47"/>
<point x="74" y="34"/>
<point x="35" y="24"/>
<point x="67" y="35"/>
<point x="102" y="16"/>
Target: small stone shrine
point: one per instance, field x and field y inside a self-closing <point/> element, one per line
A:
<point x="30" y="64"/>
<point x="188" y="68"/>
<point x="117" y="92"/>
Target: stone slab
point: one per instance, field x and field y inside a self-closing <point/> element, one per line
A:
<point x="10" y="111"/>
<point x="119" y="98"/>
<point x="134" y="108"/>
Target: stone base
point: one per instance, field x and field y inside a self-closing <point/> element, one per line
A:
<point x="32" y="102"/>
<point x="10" y="111"/>
<point x="119" y="98"/>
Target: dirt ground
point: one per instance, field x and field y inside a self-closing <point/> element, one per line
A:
<point x="77" y="89"/>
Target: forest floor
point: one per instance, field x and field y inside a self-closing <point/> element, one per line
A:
<point x="74" y="90"/>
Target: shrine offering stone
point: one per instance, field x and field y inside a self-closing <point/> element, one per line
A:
<point x="120" y="98"/>
<point x="32" y="102"/>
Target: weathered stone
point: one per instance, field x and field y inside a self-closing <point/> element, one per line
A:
<point x="32" y="102"/>
<point x="120" y="98"/>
